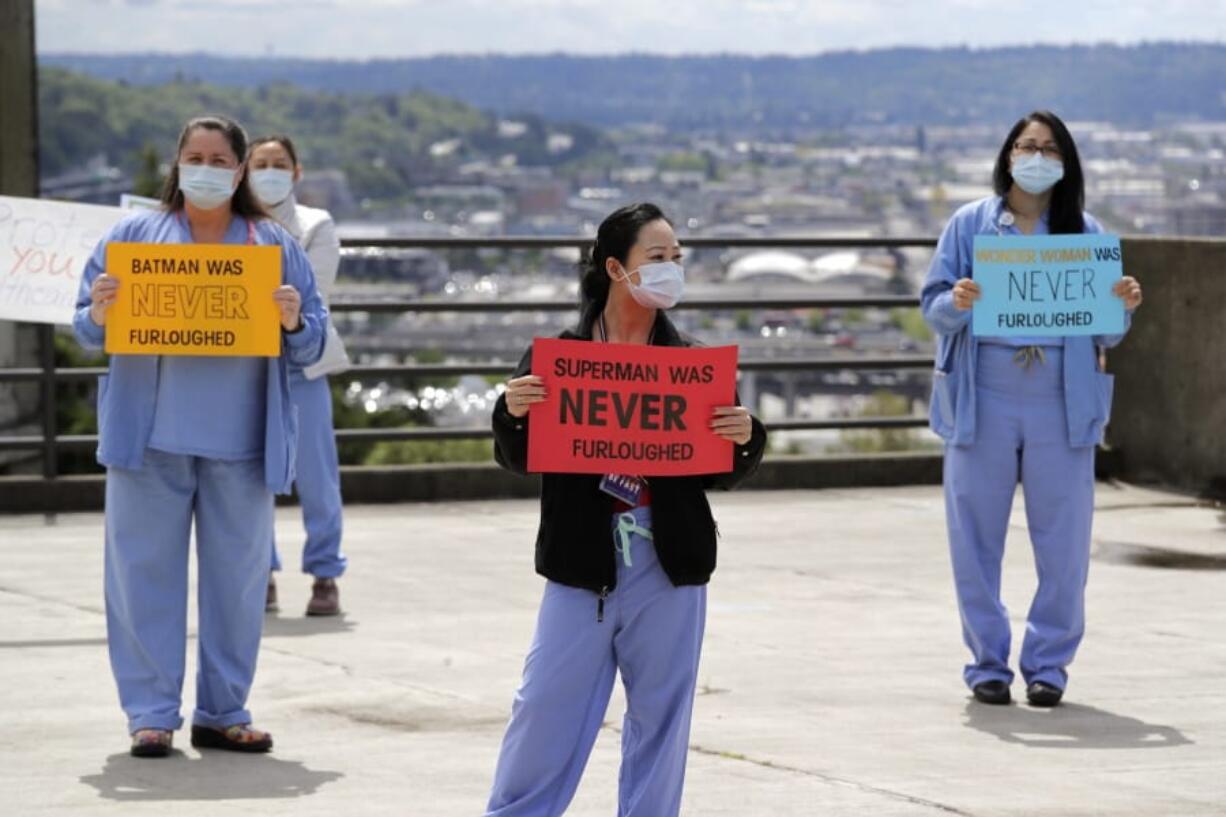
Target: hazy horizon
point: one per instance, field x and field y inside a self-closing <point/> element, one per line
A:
<point x="388" y="29"/>
<point x="620" y="54"/>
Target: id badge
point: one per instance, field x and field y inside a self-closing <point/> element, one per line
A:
<point x="623" y="488"/>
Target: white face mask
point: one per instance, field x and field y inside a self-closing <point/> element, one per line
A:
<point x="660" y="286"/>
<point x="206" y="187"/>
<point x="272" y="185"/>
<point x="1036" y="174"/>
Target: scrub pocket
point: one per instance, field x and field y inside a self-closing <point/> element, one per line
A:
<point x="1105" y="386"/>
<point x="942" y="387"/>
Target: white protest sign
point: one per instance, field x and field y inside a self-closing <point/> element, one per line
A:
<point x="131" y="201"/>
<point x="43" y="249"/>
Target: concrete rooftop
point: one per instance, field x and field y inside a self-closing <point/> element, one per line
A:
<point x="829" y="684"/>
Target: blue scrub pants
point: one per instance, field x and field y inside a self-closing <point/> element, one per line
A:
<point x="317" y="478"/>
<point x="1021" y="432"/>
<point x="651" y="633"/>
<point x="149" y="515"/>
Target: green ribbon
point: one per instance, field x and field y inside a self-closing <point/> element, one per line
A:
<point x="627" y="525"/>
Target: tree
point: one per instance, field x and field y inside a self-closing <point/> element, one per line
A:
<point x="149" y="180"/>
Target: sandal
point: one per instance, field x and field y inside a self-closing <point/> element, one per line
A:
<point x="240" y="737"/>
<point x="151" y="742"/>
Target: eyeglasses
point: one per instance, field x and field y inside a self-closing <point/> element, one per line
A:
<point x="1031" y="148"/>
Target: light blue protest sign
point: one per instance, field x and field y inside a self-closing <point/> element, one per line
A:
<point x="1047" y="285"/>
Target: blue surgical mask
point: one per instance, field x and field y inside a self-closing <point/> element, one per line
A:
<point x="1036" y="174"/>
<point x="272" y="185"/>
<point x="660" y="286"/>
<point x="206" y="187"/>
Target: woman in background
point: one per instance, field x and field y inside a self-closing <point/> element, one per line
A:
<point x="1019" y="408"/>
<point x="274" y="169"/>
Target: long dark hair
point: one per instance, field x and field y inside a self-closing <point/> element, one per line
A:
<point x="282" y="140"/>
<point x="243" y="202"/>
<point x="1068" y="197"/>
<point x="614" y="238"/>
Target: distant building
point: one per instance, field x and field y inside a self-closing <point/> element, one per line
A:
<point x="843" y="271"/>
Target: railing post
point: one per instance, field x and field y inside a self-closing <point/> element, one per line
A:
<point x="46" y="354"/>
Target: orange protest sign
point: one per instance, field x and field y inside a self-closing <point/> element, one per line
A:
<point x="194" y="299"/>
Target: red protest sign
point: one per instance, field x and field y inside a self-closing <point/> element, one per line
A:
<point x="616" y="408"/>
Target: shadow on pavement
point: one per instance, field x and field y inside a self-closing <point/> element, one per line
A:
<point x="1070" y="726"/>
<point x="206" y="776"/>
<point x="277" y="627"/>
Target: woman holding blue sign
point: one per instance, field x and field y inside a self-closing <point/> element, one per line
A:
<point x="627" y="563"/>
<point x="274" y="170"/>
<point x="1019" y="408"/>
<point x="203" y="440"/>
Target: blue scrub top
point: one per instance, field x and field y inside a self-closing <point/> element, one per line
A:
<point x="1087" y="389"/>
<point x="190" y="419"/>
<point x="188" y="416"/>
<point x="175" y="397"/>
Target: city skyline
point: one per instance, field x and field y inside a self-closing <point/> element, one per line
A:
<point x="360" y="29"/>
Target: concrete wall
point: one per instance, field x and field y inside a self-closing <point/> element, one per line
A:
<point x="425" y="483"/>
<point x="1168" y="423"/>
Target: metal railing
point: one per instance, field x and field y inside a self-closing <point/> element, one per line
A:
<point x="49" y="376"/>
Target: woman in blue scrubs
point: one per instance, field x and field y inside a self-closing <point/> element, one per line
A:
<point x="274" y="170"/>
<point x="627" y="562"/>
<point x="1028" y="409"/>
<point x="195" y="440"/>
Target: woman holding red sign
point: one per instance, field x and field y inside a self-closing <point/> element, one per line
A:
<point x="199" y="442"/>
<point x="627" y="562"/>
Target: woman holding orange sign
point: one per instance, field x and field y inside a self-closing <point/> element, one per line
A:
<point x="203" y="440"/>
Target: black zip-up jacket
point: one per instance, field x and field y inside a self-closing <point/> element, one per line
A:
<point x="574" y="545"/>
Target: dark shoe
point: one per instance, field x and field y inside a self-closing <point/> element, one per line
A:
<point x="325" y="598"/>
<point x="1041" y="694"/>
<point x="992" y="692"/>
<point x="151" y="742"/>
<point x="237" y="738"/>
<point x="270" y="600"/>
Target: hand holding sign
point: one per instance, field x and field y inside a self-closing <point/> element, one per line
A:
<point x="1130" y="290"/>
<point x="966" y="292"/>
<point x="733" y="423"/>
<point x="102" y="295"/>
<point x="289" y="303"/>
<point x="523" y="393"/>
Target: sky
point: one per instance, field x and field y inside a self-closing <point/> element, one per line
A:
<point x="359" y="29"/>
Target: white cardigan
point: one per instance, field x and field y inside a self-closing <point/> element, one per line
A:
<point x="316" y="232"/>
